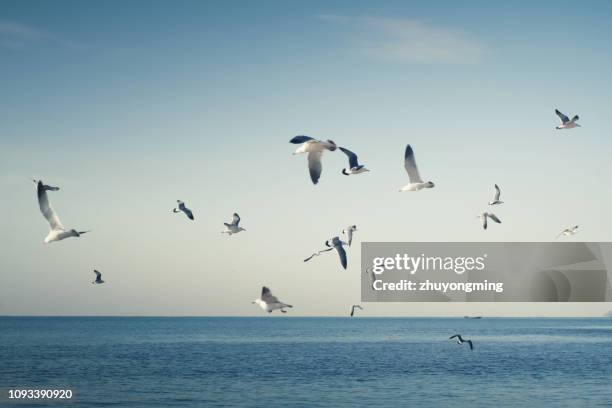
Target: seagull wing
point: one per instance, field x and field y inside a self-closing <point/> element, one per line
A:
<point x="351" y="156"/>
<point x="497" y="192"/>
<point x="47" y="211"/>
<point x="411" y="167"/>
<point x="561" y="116"/>
<point x="453" y="336"/>
<point x="267" y="296"/>
<point x="484" y="221"/>
<point x="98" y="274"/>
<point x="314" y="166"/>
<point x="470" y="343"/>
<point x="349" y="234"/>
<point x="575" y="118"/>
<point x="493" y="217"/>
<point x="300" y="139"/>
<point x="235" y="219"/>
<point x="317" y="254"/>
<point x="352" y="311"/>
<point x="188" y="213"/>
<point x="342" y="254"/>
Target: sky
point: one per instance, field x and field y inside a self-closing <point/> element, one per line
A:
<point x="129" y="106"/>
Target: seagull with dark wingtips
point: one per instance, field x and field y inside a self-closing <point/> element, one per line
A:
<point x="268" y="302"/>
<point x="98" y="278"/>
<point x="348" y="231"/>
<point x="315" y="149"/>
<point x="58" y="231"/>
<point x="568" y="231"/>
<point x="566" y="123"/>
<point x="353" y="309"/>
<point x="354" y="166"/>
<point x="461" y="340"/>
<point x="233" y="227"/>
<point x="334" y="243"/>
<point x="486" y="215"/>
<point x="496" y="200"/>
<point x="416" y="182"/>
<point x="183" y="208"/>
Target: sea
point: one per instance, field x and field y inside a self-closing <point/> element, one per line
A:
<point x="307" y="362"/>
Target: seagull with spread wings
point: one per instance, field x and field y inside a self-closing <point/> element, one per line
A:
<point x="416" y="182"/>
<point x="315" y="149"/>
<point x="566" y="123"/>
<point x="496" y="200"/>
<point x="58" y="231"/>
<point x="268" y="302"/>
<point x="183" y="208"/>
<point x="353" y="309"/>
<point x="233" y="227"/>
<point x="98" y="278"/>
<point x="348" y="231"/>
<point x="354" y="166"/>
<point x="486" y="215"/>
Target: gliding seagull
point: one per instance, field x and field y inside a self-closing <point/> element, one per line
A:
<point x="569" y="231"/>
<point x="353" y="309"/>
<point x="416" y="183"/>
<point x="354" y="166"/>
<point x="349" y="233"/>
<point x="58" y="231"/>
<point x="460" y="340"/>
<point x="98" y="277"/>
<point x="496" y="199"/>
<point x="315" y="149"/>
<point x="269" y="302"/>
<point x="233" y="228"/>
<point x="181" y="207"/>
<point x="486" y="215"/>
<point x="566" y="122"/>
<point x="334" y="243"/>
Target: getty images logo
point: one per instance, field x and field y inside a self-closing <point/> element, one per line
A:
<point x="414" y="264"/>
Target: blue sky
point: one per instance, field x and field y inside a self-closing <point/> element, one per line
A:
<point x="131" y="105"/>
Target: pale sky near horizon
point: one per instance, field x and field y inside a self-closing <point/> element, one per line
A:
<point x="129" y="106"/>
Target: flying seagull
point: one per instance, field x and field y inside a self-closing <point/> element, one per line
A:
<point x="233" y="228"/>
<point x="354" y="166"/>
<point x="349" y="233"/>
<point x="58" y="231"/>
<point x="569" y="231"/>
<point x="486" y="215"/>
<point x="181" y="207"/>
<point x="98" y="277"/>
<point x="460" y="340"/>
<point x="315" y="149"/>
<point x="496" y="199"/>
<point x="269" y="302"/>
<point x="566" y="122"/>
<point x="353" y="309"/>
<point x="334" y="243"/>
<point x="416" y="183"/>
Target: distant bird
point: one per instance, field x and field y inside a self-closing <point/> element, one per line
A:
<point x="354" y="166"/>
<point x="460" y="340"/>
<point x="416" y="183"/>
<point x="348" y="231"/>
<point x="315" y="149"/>
<point x="568" y="231"/>
<point x="233" y="228"/>
<point x="566" y="122"/>
<point x="58" y="231"/>
<point x="496" y="199"/>
<point x="98" y="277"/>
<point x="269" y="302"/>
<point x="181" y="207"/>
<point x="334" y="243"/>
<point x="486" y="215"/>
<point x="372" y="275"/>
<point x="353" y="309"/>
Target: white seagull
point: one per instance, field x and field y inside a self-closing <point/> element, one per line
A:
<point x="181" y="207"/>
<point x="416" y="183"/>
<point x="348" y="231"/>
<point x="460" y="340"/>
<point x="98" y="277"/>
<point x="354" y="166"/>
<point x="566" y="122"/>
<point x="269" y="302"/>
<point x="486" y="215"/>
<point x="58" y="231"/>
<point x="568" y="231"/>
<point x="315" y="149"/>
<point x="233" y="228"/>
<point x="334" y="243"/>
<point x="496" y="199"/>
<point x="353" y="309"/>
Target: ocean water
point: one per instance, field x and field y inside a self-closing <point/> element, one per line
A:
<point x="307" y="362"/>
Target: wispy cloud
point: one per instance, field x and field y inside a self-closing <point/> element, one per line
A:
<point x="405" y="40"/>
<point x="16" y="35"/>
